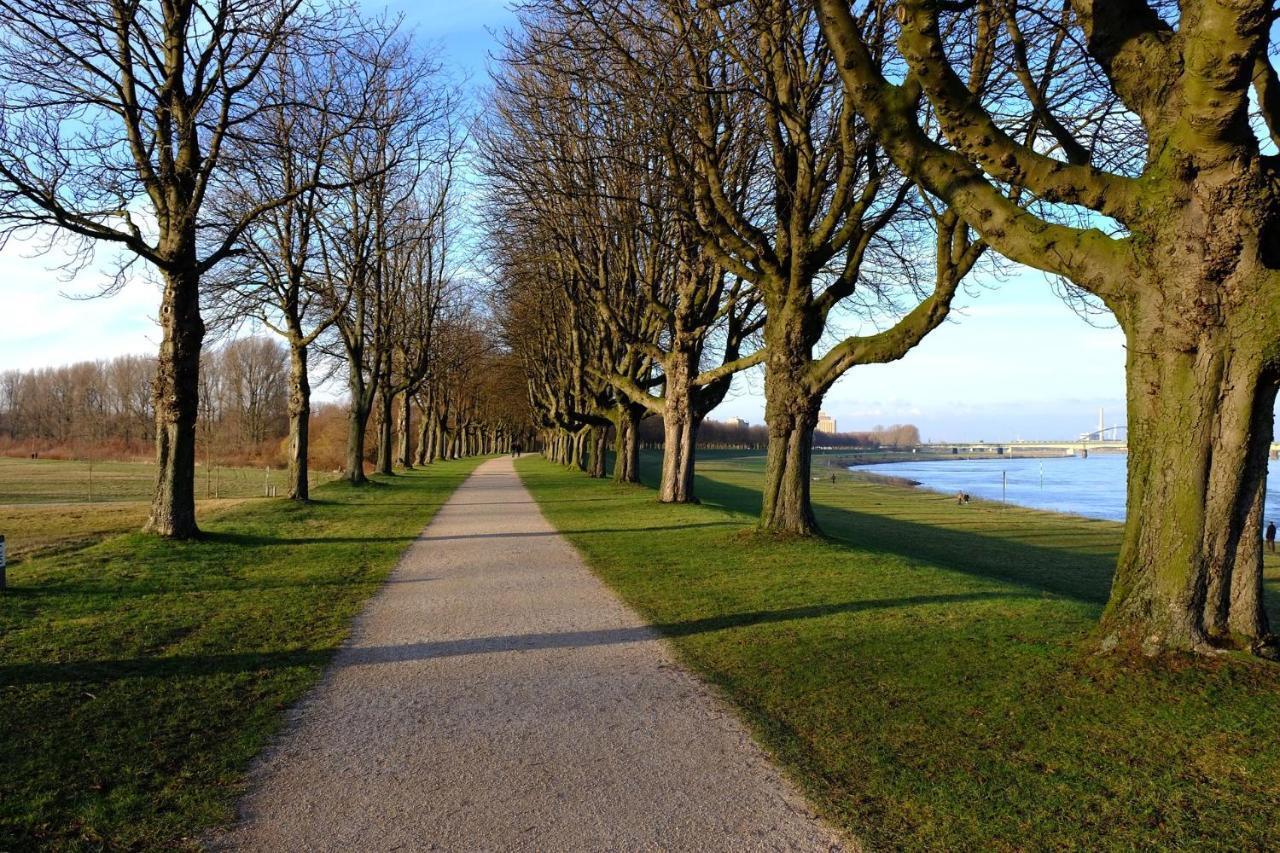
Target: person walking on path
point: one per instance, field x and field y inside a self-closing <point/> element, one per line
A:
<point x="1271" y="536"/>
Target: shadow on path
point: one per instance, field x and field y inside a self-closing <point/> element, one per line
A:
<point x="583" y="532"/>
<point x="186" y="666"/>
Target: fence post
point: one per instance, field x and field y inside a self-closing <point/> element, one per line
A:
<point x="3" y="579"/>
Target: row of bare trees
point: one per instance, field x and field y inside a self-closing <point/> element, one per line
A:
<point x="685" y="192"/>
<point x="275" y="161"/>
<point x="753" y="178"/>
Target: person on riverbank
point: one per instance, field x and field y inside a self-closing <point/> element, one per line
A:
<point x="1271" y="536"/>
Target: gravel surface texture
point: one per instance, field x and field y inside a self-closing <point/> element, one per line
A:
<point x="496" y="695"/>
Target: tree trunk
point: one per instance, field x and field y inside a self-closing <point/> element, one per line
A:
<point x="679" y="432"/>
<point x="626" y="443"/>
<point x="599" y="441"/>
<point x="424" y="436"/>
<point x="299" y="422"/>
<point x="177" y="402"/>
<point x="357" y="422"/>
<point x="791" y="413"/>
<point x="1199" y="429"/>
<point x="680" y="440"/>
<point x="386" y="432"/>
<point x="406" y="429"/>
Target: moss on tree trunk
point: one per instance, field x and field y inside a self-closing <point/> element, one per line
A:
<point x="1200" y="426"/>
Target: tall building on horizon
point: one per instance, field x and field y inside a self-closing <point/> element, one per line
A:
<point x="827" y="424"/>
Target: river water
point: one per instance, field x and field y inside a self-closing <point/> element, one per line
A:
<point x="1092" y="487"/>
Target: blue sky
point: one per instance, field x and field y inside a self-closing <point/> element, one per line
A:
<point x="1015" y="361"/>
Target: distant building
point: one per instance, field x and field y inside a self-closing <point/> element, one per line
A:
<point x="740" y="423"/>
<point x="827" y="424"/>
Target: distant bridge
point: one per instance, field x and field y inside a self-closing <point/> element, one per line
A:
<point x="1080" y="447"/>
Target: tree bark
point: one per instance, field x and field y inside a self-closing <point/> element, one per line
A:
<point x="357" y="422"/>
<point x="599" y="441"/>
<point x="299" y="422"/>
<point x="626" y="460"/>
<point x="424" y="436"/>
<point x="177" y="403"/>
<point x="1199" y="431"/>
<point x="386" y="431"/>
<point x="679" y="431"/>
<point x="791" y="414"/>
<point x="406" y="430"/>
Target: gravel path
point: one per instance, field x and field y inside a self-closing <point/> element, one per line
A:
<point x="496" y="696"/>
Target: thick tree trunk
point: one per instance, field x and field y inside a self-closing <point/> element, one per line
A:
<point x="678" y="466"/>
<point x="679" y="431"/>
<point x="626" y="443"/>
<point x="386" y="431"/>
<point x="357" y="422"/>
<point x="406" y="429"/>
<point x="299" y="422"/>
<point x="353" y="472"/>
<point x="791" y="413"/>
<point x="1199" y="429"/>
<point x="177" y="402"/>
<point x="424" y="436"/>
<point x="599" y="441"/>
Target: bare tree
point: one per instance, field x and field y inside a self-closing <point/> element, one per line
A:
<point x="412" y="128"/>
<point x="785" y="189"/>
<point x="118" y="119"/>
<point x="276" y="275"/>
<point x="1120" y="146"/>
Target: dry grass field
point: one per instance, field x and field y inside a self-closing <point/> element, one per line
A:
<point x="48" y="506"/>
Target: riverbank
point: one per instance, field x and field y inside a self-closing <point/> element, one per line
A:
<point x="928" y="674"/>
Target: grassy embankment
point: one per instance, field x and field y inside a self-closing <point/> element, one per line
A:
<point x="926" y="674"/>
<point x="46" y="506"/>
<point x="139" y="677"/>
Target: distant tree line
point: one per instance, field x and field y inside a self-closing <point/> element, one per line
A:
<point x="90" y="401"/>
<point x="730" y="434"/>
<point x="107" y="406"/>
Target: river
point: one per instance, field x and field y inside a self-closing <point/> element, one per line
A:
<point x="1091" y="487"/>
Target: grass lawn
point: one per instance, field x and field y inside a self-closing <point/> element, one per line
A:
<point x="926" y="675"/>
<point x="139" y="677"/>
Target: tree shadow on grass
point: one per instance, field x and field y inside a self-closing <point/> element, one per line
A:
<point x="1064" y="571"/>
<point x="116" y="587"/>
<point x="258" y="540"/>
<point x="194" y="666"/>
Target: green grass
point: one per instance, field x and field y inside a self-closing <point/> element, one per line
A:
<point x="139" y="677"/>
<point x="30" y="481"/>
<point x="927" y="673"/>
